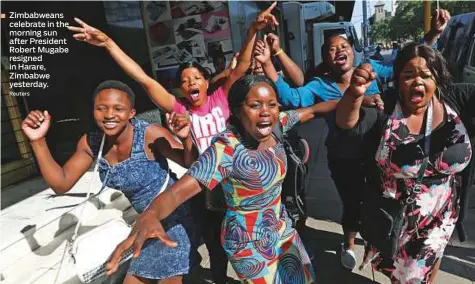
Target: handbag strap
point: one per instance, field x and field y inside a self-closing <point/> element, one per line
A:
<point x="75" y="234"/>
<point x="416" y="189"/>
<point x="96" y="167"/>
<point x="192" y="134"/>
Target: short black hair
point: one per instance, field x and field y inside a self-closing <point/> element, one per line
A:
<point x="434" y="60"/>
<point x="117" y="85"/>
<point x="240" y="89"/>
<point x="192" y="64"/>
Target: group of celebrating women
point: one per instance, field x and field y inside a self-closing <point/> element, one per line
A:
<point x="376" y="143"/>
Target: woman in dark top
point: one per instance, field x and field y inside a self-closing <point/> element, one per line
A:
<point x="395" y="140"/>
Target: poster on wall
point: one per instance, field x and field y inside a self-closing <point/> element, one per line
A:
<point x="181" y="9"/>
<point x="165" y="55"/>
<point x="218" y="46"/>
<point x="123" y="14"/>
<point x="216" y="24"/>
<point x="196" y="48"/>
<point x="161" y="33"/>
<point x="185" y="31"/>
<point x="157" y="11"/>
<point x="188" y="28"/>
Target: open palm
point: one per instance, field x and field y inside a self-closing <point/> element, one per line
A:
<point x="262" y="51"/>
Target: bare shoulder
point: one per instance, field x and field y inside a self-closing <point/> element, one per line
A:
<point x="155" y="131"/>
<point x="83" y="145"/>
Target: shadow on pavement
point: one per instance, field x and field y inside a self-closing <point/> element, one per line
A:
<point x="321" y="246"/>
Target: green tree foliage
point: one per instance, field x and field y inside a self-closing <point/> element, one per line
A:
<point x="408" y="21"/>
<point x="380" y="31"/>
<point x="456" y="7"/>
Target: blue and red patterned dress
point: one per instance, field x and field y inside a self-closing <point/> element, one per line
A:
<point x="256" y="233"/>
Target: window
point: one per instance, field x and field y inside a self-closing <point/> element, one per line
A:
<point x="356" y="42"/>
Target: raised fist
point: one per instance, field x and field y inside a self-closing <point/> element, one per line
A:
<point x="36" y="124"/>
<point x="362" y="78"/>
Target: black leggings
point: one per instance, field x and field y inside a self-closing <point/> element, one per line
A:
<point x="349" y="178"/>
<point x="210" y="227"/>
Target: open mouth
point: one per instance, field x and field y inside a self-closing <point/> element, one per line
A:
<point x="340" y="59"/>
<point x="417" y="94"/>
<point x="195" y="95"/>
<point x="264" y="128"/>
<point x="110" y="124"/>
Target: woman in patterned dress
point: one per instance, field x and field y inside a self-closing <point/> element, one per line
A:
<point x="397" y="138"/>
<point x="250" y="165"/>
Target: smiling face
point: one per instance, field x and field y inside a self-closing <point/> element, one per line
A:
<point x="416" y="84"/>
<point x="339" y="57"/>
<point x="260" y="112"/>
<point x="194" y="86"/>
<point x="112" y="111"/>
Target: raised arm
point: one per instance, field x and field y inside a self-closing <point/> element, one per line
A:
<point x="289" y="97"/>
<point x="244" y="61"/>
<point x="348" y="109"/>
<point x="60" y="179"/>
<point x="322" y="108"/>
<point x="383" y="70"/>
<point x="208" y="171"/>
<point x="440" y="19"/>
<point x="224" y="75"/>
<point x="93" y="36"/>
<point x="290" y="68"/>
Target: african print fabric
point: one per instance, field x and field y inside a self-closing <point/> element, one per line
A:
<point x="256" y="232"/>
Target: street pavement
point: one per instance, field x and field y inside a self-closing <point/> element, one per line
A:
<point x="323" y="235"/>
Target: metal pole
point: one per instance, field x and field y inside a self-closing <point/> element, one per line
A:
<point x="427" y="15"/>
<point x="365" y="24"/>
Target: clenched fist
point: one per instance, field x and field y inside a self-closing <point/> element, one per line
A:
<point x="36" y="124"/>
<point x="362" y="78"/>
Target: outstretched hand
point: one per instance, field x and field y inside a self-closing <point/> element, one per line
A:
<point x="178" y="124"/>
<point x="265" y="18"/>
<point x="362" y="78"/>
<point x="89" y="34"/>
<point x="262" y="51"/>
<point x="147" y="226"/>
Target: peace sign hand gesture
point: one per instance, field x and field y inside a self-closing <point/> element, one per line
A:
<point x="89" y="34"/>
